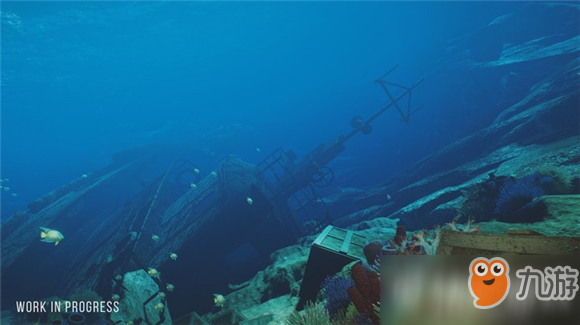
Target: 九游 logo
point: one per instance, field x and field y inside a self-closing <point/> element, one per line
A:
<point x="559" y="283"/>
<point x="489" y="281"/>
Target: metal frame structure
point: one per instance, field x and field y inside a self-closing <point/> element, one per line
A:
<point x="286" y="181"/>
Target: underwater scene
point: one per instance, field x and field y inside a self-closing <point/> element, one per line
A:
<point x="252" y="163"/>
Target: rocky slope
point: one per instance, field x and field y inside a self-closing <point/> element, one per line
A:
<point x="537" y="114"/>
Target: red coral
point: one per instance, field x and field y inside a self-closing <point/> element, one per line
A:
<point x="357" y="299"/>
<point x="375" y="284"/>
<point x="361" y="279"/>
<point x="372" y="250"/>
<point x="366" y="292"/>
<point x="400" y="235"/>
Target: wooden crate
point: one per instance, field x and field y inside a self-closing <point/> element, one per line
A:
<point x="517" y="243"/>
<point x="331" y="251"/>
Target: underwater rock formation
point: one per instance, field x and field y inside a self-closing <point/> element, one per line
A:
<point x="528" y="120"/>
<point x="540" y="124"/>
<point x="140" y="229"/>
<point x="140" y="300"/>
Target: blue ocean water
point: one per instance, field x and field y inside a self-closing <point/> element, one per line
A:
<point x="84" y="85"/>
<point x="84" y="80"/>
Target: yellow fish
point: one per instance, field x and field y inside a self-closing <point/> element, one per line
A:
<point x="161" y="295"/>
<point x="173" y="256"/>
<point x="51" y="236"/>
<point x="196" y="171"/>
<point x="115" y="297"/>
<point x="219" y="300"/>
<point x="153" y="272"/>
<point x="155" y="237"/>
<point x="159" y="306"/>
<point x="170" y="287"/>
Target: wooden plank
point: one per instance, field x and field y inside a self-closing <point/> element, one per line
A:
<point x="322" y="235"/>
<point x="358" y="241"/>
<point x="453" y="243"/>
<point x="346" y="242"/>
<point x="337" y="233"/>
<point x="521" y="232"/>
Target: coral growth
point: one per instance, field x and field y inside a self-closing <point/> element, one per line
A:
<point x="561" y="179"/>
<point x="313" y="314"/>
<point x="397" y="246"/>
<point x="518" y="196"/>
<point x="366" y="292"/>
<point x="480" y="199"/>
<point x="347" y="316"/>
<point x="372" y="250"/>
<point x="512" y="200"/>
<point x="400" y="235"/>
<point x="422" y="243"/>
<point x="468" y="227"/>
<point x="335" y="289"/>
<point x="427" y="240"/>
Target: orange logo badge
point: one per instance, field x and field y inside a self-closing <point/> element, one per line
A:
<point x="489" y="281"/>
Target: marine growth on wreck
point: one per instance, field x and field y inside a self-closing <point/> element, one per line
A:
<point x="264" y="163"/>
